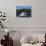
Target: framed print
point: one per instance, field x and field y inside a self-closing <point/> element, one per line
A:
<point x="23" y="11"/>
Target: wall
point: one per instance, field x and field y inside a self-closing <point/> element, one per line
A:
<point x="38" y="13"/>
<point x="36" y="23"/>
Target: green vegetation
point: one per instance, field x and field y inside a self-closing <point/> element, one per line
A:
<point x="23" y="10"/>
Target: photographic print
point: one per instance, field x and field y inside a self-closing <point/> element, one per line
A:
<point x="23" y="11"/>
